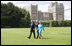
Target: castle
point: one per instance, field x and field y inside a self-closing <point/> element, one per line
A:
<point x="55" y="12"/>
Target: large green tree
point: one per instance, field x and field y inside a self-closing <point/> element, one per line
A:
<point x="12" y="16"/>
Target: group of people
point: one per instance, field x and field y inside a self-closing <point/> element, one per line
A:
<point x="39" y="28"/>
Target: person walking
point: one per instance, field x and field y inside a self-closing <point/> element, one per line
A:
<point x="40" y="27"/>
<point x="32" y="29"/>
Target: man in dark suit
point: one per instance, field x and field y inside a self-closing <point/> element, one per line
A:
<point x="32" y="29"/>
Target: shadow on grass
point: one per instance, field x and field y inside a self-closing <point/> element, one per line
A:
<point x="45" y="38"/>
<point x="40" y="38"/>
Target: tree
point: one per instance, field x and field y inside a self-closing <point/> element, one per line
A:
<point x="55" y="23"/>
<point x="25" y="20"/>
<point x="12" y="16"/>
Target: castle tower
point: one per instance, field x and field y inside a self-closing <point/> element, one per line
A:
<point x="33" y="10"/>
<point x="58" y="11"/>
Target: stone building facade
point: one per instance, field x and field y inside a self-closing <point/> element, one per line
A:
<point x="55" y="12"/>
<point x="33" y="10"/>
<point x="58" y="11"/>
<point x="40" y="16"/>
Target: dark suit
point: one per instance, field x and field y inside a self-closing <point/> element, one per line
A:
<point x="32" y="30"/>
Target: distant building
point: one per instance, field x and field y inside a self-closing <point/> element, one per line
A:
<point x="58" y="11"/>
<point x="33" y="10"/>
<point x="47" y="16"/>
<point x="40" y="16"/>
<point x="55" y="12"/>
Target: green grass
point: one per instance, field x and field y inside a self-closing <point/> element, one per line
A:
<point x="52" y="36"/>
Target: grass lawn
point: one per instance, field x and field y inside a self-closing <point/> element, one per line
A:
<point x="52" y="36"/>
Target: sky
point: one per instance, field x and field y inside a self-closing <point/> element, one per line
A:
<point x="43" y="6"/>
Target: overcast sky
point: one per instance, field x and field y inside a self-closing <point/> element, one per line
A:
<point x="43" y="6"/>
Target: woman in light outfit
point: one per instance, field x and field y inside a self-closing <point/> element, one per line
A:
<point x="40" y="27"/>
